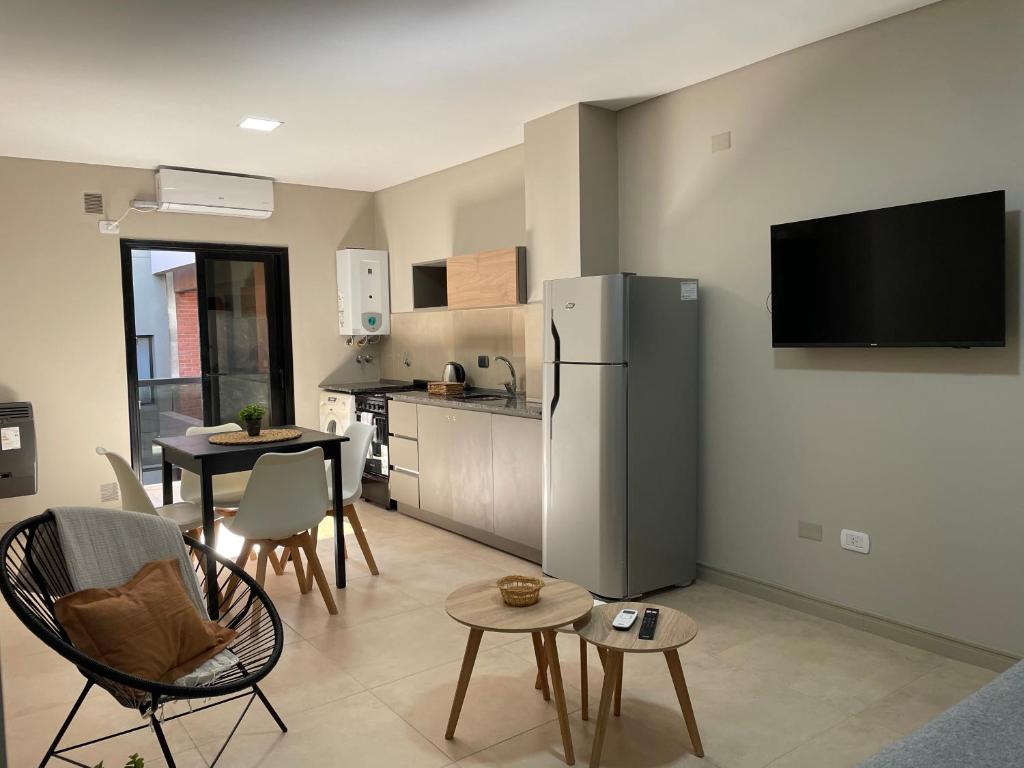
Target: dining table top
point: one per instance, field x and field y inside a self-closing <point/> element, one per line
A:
<point x="200" y="447"/>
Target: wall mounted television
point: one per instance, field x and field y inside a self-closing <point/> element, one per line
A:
<point x="924" y="275"/>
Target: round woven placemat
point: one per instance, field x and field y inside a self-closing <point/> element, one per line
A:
<point x="265" y="436"/>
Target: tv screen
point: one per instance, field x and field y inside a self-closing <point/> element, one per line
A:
<point x="923" y="275"/>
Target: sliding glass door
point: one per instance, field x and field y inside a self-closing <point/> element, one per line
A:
<point x="207" y="331"/>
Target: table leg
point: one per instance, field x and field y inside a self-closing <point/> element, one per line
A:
<point x="584" y="680"/>
<point x="339" y="523"/>
<point x="551" y="656"/>
<point x="468" y="660"/>
<point x="679" y="681"/>
<point x="613" y="663"/>
<point x="618" y="689"/>
<point x="210" y="539"/>
<point x="168" y="478"/>
<point x="542" y="676"/>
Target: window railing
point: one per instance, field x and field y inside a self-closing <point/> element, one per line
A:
<point x="167" y="407"/>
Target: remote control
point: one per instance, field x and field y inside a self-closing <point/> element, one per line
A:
<point x="624" y="620"/>
<point x="649" y="624"/>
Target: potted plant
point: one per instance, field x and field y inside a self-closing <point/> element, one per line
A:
<point x="133" y="762"/>
<point x="252" y="416"/>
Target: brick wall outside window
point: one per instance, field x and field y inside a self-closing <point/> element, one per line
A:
<point x="187" y="311"/>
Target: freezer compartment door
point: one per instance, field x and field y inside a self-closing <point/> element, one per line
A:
<point x="585" y="476"/>
<point x="585" y="319"/>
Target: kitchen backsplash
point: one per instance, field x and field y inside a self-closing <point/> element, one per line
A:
<point x="422" y="342"/>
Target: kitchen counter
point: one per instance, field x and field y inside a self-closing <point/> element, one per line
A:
<point x="504" y="406"/>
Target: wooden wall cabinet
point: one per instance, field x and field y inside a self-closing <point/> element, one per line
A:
<point x="487" y="279"/>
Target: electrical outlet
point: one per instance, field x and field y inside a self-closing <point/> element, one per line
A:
<point x="721" y="141"/>
<point x="483" y="361"/>
<point x="109" y="228"/>
<point x="855" y="541"/>
<point x="109" y="492"/>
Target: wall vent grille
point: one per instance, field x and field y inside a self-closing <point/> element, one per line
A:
<point x="15" y="411"/>
<point x="109" y="492"/>
<point x="92" y="202"/>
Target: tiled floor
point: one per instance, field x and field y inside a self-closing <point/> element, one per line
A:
<point x="372" y="686"/>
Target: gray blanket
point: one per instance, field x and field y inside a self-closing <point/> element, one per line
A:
<point x="985" y="730"/>
<point x="104" y="548"/>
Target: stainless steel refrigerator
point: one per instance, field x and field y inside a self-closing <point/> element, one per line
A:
<point x="620" y="432"/>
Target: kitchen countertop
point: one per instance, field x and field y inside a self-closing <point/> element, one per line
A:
<point x="506" y="406"/>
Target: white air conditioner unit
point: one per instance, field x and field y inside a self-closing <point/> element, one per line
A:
<point x="219" y="194"/>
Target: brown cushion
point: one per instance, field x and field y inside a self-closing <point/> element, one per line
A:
<point x="148" y="628"/>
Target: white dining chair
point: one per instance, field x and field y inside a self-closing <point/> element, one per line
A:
<point x="353" y="462"/>
<point x="227" y="489"/>
<point x="187" y="516"/>
<point x="286" y="496"/>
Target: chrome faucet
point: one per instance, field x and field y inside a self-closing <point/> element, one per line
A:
<point x="510" y="387"/>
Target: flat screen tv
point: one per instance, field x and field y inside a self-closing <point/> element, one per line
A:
<point x="923" y="275"/>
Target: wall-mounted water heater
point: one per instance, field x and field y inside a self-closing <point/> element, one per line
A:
<point x="364" y="303"/>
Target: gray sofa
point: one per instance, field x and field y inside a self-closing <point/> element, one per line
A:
<point x="985" y="730"/>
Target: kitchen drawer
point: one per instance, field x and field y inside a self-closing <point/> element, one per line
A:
<point x="402" y="418"/>
<point x="404" y="453"/>
<point x="405" y="488"/>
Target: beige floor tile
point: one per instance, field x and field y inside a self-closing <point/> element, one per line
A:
<point x="29" y="735"/>
<point x="501" y="702"/>
<point x="842" y="746"/>
<point x="357" y="732"/>
<point x="907" y="709"/>
<point x="848" y="668"/>
<point x="384" y="650"/>
<point x="629" y="743"/>
<point x="304" y="678"/>
<point x="361" y="601"/>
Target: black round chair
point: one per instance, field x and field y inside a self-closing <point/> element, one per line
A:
<point x="34" y="575"/>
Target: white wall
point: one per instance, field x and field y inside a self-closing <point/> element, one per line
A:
<point x="920" y="448"/>
<point x="61" y="322"/>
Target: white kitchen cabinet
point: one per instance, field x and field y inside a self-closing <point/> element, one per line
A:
<point x="456" y="477"/>
<point x="402" y="418"/>
<point x="518" y="479"/>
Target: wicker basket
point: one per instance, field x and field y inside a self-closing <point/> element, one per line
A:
<point x="520" y="591"/>
<point x="446" y="387"/>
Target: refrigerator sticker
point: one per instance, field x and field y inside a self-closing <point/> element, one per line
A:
<point x="687" y="290"/>
<point x="10" y="438"/>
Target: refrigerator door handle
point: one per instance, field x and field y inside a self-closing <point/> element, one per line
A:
<point x="555" y="394"/>
<point x="558" y="342"/>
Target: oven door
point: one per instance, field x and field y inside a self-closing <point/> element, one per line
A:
<point x="377" y="456"/>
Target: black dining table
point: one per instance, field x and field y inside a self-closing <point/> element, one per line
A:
<point x="198" y="455"/>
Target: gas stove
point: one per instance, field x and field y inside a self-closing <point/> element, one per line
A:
<point x="366" y="387"/>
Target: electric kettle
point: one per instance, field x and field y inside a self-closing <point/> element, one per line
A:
<point x="453" y="372"/>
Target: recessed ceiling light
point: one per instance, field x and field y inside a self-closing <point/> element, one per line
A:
<point x="259" y="124"/>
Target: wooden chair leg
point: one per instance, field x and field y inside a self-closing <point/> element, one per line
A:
<point x="542" y="676"/>
<point x="275" y="562"/>
<point x="232" y="585"/>
<point x="364" y="545"/>
<point x="305" y="583"/>
<point x="313" y="562"/>
<point x="584" y="682"/>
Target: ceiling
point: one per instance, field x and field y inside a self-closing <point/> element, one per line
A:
<point x="372" y="92"/>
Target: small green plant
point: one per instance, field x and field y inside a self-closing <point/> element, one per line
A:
<point x="253" y="412"/>
<point x="133" y="762"/>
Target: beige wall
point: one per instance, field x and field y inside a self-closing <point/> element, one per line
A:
<point x="552" y="172"/>
<point x="920" y="448"/>
<point x="62" y="332"/>
<point x="429" y="339"/>
<point x="476" y="206"/>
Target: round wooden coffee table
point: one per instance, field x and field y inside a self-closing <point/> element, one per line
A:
<point x="479" y="606"/>
<point x="674" y="629"/>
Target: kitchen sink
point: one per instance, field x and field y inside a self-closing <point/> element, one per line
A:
<point x="483" y="396"/>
